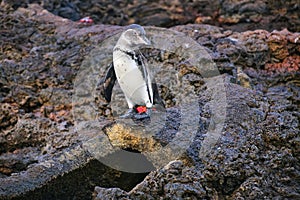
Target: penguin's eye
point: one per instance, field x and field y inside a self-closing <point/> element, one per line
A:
<point x="135" y="33"/>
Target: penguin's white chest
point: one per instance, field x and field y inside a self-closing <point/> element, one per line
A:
<point x="136" y="90"/>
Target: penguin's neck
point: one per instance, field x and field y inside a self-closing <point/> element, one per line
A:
<point x="130" y="53"/>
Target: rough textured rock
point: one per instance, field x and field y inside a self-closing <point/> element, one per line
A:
<point x="43" y="155"/>
<point x="253" y="158"/>
<point x="257" y="154"/>
<point x="230" y="14"/>
<point x="37" y="134"/>
<point x="127" y="138"/>
<point x="174" y="181"/>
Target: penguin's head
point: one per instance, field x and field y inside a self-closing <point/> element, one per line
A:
<point x="134" y="37"/>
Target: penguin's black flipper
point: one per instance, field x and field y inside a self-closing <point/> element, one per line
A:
<point x="157" y="100"/>
<point x="140" y="60"/>
<point x="109" y="82"/>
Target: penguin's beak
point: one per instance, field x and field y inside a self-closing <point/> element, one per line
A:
<point x="145" y="40"/>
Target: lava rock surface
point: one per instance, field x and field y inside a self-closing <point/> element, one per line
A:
<point x="256" y="155"/>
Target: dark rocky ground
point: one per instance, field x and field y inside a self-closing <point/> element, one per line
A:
<point x="232" y="14"/>
<point x="43" y="155"/>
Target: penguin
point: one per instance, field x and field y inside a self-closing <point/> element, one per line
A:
<point x="129" y="69"/>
